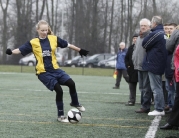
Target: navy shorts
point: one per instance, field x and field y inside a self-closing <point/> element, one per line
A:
<point x="49" y="79"/>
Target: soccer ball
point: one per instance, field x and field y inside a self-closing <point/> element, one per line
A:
<point x="74" y="115"/>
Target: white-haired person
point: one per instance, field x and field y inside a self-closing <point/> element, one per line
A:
<point x="138" y="57"/>
<point x="47" y="69"/>
<point x="120" y="65"/>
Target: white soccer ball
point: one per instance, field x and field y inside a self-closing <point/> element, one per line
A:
<point x="74" y="115"/>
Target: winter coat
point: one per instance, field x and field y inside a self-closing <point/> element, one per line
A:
<point x="172" y="43"/>
<point x="176" y="63"/>
<point x="155" y="45"/>
<point x="133" y="74"/>
<point x="169" y="72"/>
<point x="139" y="52"/>
<point x="120" y="59"/>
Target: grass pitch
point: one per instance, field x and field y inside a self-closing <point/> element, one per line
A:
<point x="28" y="110"/>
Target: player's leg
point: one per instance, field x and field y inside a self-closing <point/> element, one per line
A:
<point x="59" y="103"/>
<point x="74" y="96"/>
<point x="52" y="84"/>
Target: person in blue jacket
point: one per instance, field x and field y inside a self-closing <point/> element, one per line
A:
<point x="120" y="65"/>
<point x="155" y="62"/>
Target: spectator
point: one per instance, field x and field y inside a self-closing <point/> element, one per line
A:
<point x="171" y="27"/>
<point x="172" y="43"/>
<point x="169" y="73"/>
<point x="133" y="75"/>
<point x="173" y="121"/>
<point x="120" y="65"/>
<point x="166" y="29"/>
<point x="144" y="84"/>
<point x="155" y="62"/>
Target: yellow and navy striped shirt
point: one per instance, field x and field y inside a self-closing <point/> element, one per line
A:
<point x="44" y="52"/>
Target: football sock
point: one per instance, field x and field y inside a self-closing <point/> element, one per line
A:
<point x="74" y="98"/>
<point x="60" y="108"/>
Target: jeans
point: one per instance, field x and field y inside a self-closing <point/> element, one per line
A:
<point x="156" y="86"/>
<point x="171" y="91"/>
<point x="144" y="87"/>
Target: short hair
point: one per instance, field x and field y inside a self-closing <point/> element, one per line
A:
<point x="145" y="19"/>
<point x="157" y="19"/>
<point x="172" y="24"/>
<point x="122" y="43"/>
<point x="166" y="24"/>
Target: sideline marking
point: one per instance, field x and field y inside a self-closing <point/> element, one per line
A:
<point x="153" y="127"/>
<point x="78" y="124"/>
<point x="41" y="90"/>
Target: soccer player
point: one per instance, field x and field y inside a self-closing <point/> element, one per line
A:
<point x="47" y="70"/>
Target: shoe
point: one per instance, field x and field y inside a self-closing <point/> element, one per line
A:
<point x="141" y="110"/>
<point x="156" y="113"/>
<point x="79" y="107"/>
<point x="169" y="127"/>
<point x="115" y="87"/>
<point x="62" y="119"/>
<point x="169" y="111"/>
<point x="130" y="104"/>
<point x="166" y="108"/>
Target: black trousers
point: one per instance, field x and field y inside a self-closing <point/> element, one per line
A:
<point x="121" y="72"/>
<point x="174" y="116"/>
<point x="132" y="88"/>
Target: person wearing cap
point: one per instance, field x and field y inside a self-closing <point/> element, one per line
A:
<point x="133" y="74"/>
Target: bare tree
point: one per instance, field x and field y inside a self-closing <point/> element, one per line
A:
<point x="4" y="28"/>
<point x="111" y="27"/>
<point x="24" y="30"/>
<point x="154" y="7"/>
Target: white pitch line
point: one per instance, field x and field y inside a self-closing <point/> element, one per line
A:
<point x="68" y="91"/>
<point x="153" y="127"/>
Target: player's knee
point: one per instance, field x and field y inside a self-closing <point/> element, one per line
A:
<point x="70" y="83"/>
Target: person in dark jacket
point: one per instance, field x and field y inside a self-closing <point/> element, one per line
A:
<point x="155" y="62"/>
<point x="120" y="65"/>
<point x="133" y="74"/>
<point x="169" y="75"/>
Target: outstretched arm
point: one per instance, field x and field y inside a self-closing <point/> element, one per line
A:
<point x="15" y="51"/>
<point x="74" y="47"/>
<point x="82" y="52"/>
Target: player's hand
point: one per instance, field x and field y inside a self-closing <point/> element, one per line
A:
<point x="83" y="52"/>
<point x="9" y="51"/>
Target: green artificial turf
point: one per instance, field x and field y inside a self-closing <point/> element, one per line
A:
<point x="28" y="109"/>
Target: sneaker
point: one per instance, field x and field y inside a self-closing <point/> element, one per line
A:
<point x="142" y="110"/>
<point x="156" y="113"/>
<point x="166" y="108"/>
<point x="79" y="107"/>
<point x="130" y="104"/>
<point x="115" y="87"/>
<point x="62" y="119"/>
<point x="169" y="111"/>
